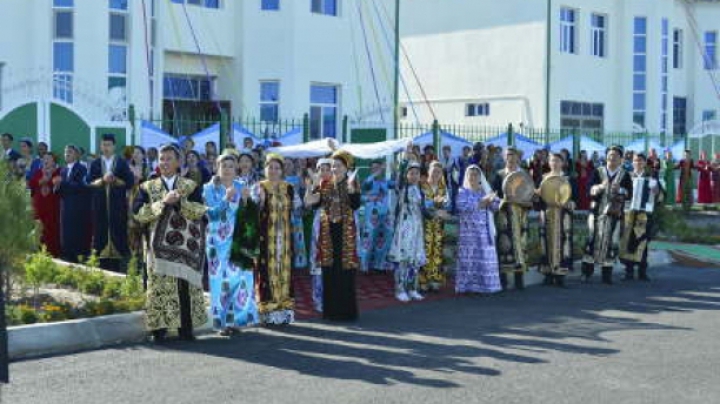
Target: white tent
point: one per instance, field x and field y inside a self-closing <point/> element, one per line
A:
<point x="705" y="128"/>
<point x="522" y="143"/>
<point x="212" y="134"/>
<point x="678" y="150"/>
<point x="456" y="143"/>
<point x="152" y="136"/>
<point x="587" y="144"/>
<point x="316" y="148"/>
<point x="375" y="150"/>
<point x="240" y="133"/>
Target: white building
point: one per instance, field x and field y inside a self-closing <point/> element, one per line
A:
<point x="69" y="69"/>
<point x="590" y="65"/>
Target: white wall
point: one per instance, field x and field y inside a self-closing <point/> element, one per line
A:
<point x="476" y="51"/>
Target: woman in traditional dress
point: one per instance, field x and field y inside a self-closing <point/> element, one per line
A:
<point x="194" y="170"/>
<point x="46" y="202"/>
<point x="407" y="251"/>
<point x="584" y="169"/>
<point x="716" y="178"/>
<point x="668" y="169"/>
<point x="556" y="231"/>
<point x="376" y="232"/>
<point x="232" y="299"/>
<point x="477" y="262"/>
<point x="324" y="174"/>
<point x="273" y="273"/>
<point x="246" y="168"/>
<point x="704" y="185"/>
<point x="685" y="187"/>
<point x="299" y="248"/>
<point x="338" y="199"/>
<point x="432" y="275"/>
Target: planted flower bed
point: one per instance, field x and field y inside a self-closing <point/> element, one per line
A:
<point x="49" y="290"/>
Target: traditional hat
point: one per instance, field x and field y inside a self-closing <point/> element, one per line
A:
<point x="345" y="157"/>
<point x="231" y="152"/>
<point x="274" y="157"/>
<point x="414" y="164"/>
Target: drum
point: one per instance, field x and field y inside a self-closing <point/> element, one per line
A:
<point x="555" y="190"/>
<point x="518" y="187"/>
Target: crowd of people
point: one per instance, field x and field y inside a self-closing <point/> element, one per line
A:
<point x="239" y="222"/>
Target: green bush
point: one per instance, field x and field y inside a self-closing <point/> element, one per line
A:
<point x="40" y="269"/>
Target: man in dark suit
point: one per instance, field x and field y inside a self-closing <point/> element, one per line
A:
<point x="9" y="153"/>
<point x="110" y="178"/>
<point x="75" y="199"/>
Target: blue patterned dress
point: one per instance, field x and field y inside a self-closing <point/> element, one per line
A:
<point x="232" y="296"/>
<point x="477" y="262"/>
<point x="376" y="232"/>
<point x="300" y="259"/>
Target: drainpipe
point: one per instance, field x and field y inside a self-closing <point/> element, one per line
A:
<point x="548" y="60"/>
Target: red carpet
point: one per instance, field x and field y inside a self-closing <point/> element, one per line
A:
<point x="374" y="291"/>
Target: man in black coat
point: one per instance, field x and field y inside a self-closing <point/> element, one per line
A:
<point x="75" y="200"/>
<point x="110" y="178"/>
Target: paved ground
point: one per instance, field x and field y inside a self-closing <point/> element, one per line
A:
<point x="632" y="343"/>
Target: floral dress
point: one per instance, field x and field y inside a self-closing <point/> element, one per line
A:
<point x="232" y="297"/>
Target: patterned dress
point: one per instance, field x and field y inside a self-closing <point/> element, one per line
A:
<point x="232" y="297"/>
<point x="432" y="275"/>
<point x="377" y="231"/>
<point x="273" y="273"/>
<point x="668" y="167"/>
<point x="477" y="263"/>
<point x="300" y="260"/>
<point x="407" y="251"/>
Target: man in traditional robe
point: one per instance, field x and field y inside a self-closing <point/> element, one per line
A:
<point x="111" y="178"/>
<point x="74" y="202"/>
<point x="610" y="188"/>
<point x="171" y="206"/>
<point x="511" y="227"/>
<point x="638" y="221"/>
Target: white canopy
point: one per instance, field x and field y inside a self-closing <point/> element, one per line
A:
<point x="638" y="146"/>
<point x="522" y="143"/>
<point x="456" y="143"/>
<point x="705" y="128"/>
<point x="587" y="144"/>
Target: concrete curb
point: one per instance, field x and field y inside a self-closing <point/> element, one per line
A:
<point x="34" y="340"/>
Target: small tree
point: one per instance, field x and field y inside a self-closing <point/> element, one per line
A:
<point x="19" y="236"/>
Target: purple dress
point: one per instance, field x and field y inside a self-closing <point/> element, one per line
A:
<point x="477" y="263"/>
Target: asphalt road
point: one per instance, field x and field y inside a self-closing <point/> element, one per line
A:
<point x="631" y="343"/>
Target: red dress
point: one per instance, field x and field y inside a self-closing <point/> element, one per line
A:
<point x="46" y="204"/>
<point x="705" y="194"/>
<point x="584" y="177"/>
<point x="686" y="167"/>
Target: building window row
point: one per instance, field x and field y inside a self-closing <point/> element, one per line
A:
<point x="569" y="20"/>
<point x="325" y="7"/>
<point x="482" y="109"/>
<point x="639" y="70"/>
<point x="581" y="117"/>
<point x="664" y="73"/>
<point x="63" y="56"/>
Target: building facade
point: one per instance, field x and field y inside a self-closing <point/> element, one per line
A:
<point x="70" y="69"/>
<point x="582" y="66"/>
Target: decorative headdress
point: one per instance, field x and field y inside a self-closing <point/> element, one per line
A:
<point x="323" y="161"/>
<point x="345" y="157"/>
<point x="274" y="157"/>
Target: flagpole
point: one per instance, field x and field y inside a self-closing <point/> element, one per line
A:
<point x="396" y="95"/>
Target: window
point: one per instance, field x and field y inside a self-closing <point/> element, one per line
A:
<point x="581" y="117"/>
<point x="270" y="4"/>
<point x="639" y="70"/>
<point x="195" y="88"/>
<point x="63" y="3"/>
<point x="63" y="55"/>
<point x="477" y="109"/>
<point x="203" y="3"/>
<point x="711" y="50"/>
<point x="118" y="27"/>
<point x="568" y="32"/>
<point x="709" y="115"/>
<point x="118" y="4"/>
<point x="327" y="7"/>
<point x="324" y="101"/>
<point x="677" y="48"/>
<point x="664" y="64"/>
<point x="599" y="35"/>
<point x="403" y="109"/>
<point x="269" y="101"/>
<point x="679" y="116"/>
<point x="117" y="60"/>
